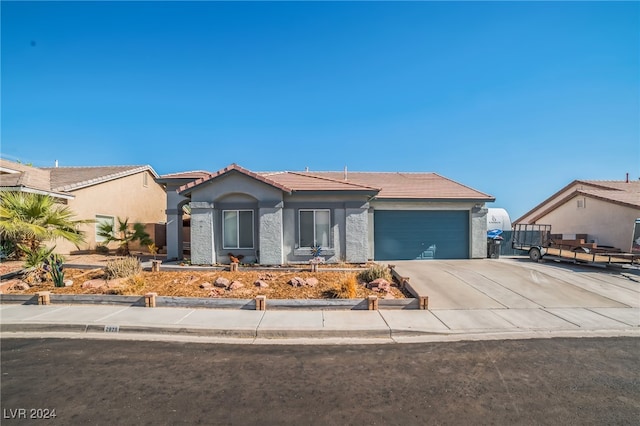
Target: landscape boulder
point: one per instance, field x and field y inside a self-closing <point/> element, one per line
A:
<point x="235" y="285"/>
<point x="221" y="282"/>
<point x="297" y="282"/>
<point x="380" y="284"/>
<point x="312" y="282"/>
<point x="94" y="283"/>
<point x="261" y="284"/>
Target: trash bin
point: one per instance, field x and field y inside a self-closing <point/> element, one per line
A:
<point x="494" y="239"/>
<point x="493" y="248"/>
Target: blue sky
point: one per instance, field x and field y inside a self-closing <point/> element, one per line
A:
<point x="515" y="99"/>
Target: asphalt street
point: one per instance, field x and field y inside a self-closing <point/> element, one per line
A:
<point x="544" y="381"/>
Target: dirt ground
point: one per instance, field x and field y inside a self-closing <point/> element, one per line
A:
<point x="198" y="283"/>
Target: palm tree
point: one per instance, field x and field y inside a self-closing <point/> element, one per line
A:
<point x="123" y="234"/>
<point x="31" y="219"/>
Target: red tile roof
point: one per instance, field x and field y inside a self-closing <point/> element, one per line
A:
<point x="393" y="185"/>
<point x="405" y="185"/>
<point x="231" y="168"/>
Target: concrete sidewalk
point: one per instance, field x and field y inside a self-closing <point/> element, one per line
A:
<point x="246" y="326"/>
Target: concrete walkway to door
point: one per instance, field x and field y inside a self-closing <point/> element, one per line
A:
<point x="507" y="293"/>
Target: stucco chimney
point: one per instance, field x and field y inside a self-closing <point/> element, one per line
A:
<point x="56" y="166"/>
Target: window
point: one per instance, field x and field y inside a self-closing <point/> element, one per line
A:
<point x="237" y="229"/>
<point x="315" y="226"/>
<point x="582" y="203"/>
<point x="99" y="221"/>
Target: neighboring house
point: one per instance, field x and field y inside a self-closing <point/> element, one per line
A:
<point x="277" y="217"/>
<point x="97" y="193"/>
<point x="606" y="211"/>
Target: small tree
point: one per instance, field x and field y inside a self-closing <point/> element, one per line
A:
<point x="28" y="220"/>
<point x="124" y="234"/>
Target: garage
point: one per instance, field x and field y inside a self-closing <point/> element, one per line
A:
<point x="421" y="234"/>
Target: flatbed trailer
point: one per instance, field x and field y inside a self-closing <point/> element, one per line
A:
<point x="536" y="241"/>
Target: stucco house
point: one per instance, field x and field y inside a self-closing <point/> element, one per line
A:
<point x="604" y="210"/>
<point x="100" y="193"/>
<point x="277" y="217"/>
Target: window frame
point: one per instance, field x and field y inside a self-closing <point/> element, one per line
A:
<point x="315" y="239"/>
<point x="238" y="247"/>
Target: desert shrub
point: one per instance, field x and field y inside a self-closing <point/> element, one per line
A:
<point x="345" y="288"/>
<point x="374" y="272"/>
<point x="122" y="267"/>
<point x="102" y="249"/>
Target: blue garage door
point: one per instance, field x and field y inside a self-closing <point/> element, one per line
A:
<point x="414" y="234"/>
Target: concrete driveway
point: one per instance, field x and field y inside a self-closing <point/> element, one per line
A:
<point x="512" y="283"/>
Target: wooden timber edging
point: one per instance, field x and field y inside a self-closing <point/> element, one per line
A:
<point x="211" y="303"/>
<point x="422" y="299"/>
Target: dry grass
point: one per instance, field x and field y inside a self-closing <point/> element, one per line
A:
<point x="346" y="288"/>
<point x="187" y="284"/>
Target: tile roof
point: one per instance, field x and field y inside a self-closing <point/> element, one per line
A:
<point x="21" y="176"/>
<point x="72" y="178"/>
<point x="406" y="185"/>
<point x="60" y="181"/>
<point x="298" y="181"/>
<point x="193" y="174"/>
<point x="393" y="185"/>
<point x="231" y="168"/>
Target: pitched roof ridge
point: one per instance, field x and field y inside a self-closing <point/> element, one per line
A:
<point x="332" y="180"/>
<point x="229" y="168"/>
<point x="187" y="171"/>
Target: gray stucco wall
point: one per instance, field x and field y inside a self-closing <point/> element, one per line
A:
<point x="479" y="233"/>
<point x="270" y="235"/>
<point x="348" y="215"/>
<point x="356" y="233"/>
<point x="202" y="233"/>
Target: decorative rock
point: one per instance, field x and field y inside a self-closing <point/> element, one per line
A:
<point x="115" y="283"/>
<point x="95" y="283"/>
<point x="312" y="282"/>
<point x="221" y="282"/>
<point x="261" y="283"/>
<point x="206" y="286"/>
<point x="235" y="285"/>
<point x="216" y="292"/>
<point x="266" y="277"/>
<point x="68" y="283"/>
<point x="20" y="285"/>
<point x="297" y="282"/>
<point x="380" y="284"/>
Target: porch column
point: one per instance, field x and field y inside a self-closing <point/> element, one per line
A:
<point x="479" y="232"/>
<point x="174" y="234"/>
<point x="356" y="232"/>
<point x="270" y="238"/>
<point x="202" y="233"/>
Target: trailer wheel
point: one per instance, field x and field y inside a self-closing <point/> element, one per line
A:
<point x="534" y="254"/>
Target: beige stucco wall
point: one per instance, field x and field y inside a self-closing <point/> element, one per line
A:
<point x="125" y="197"/>
<point x="608" y="223"/>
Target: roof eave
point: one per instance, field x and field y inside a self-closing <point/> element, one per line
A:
<point x="54" y="194"/>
